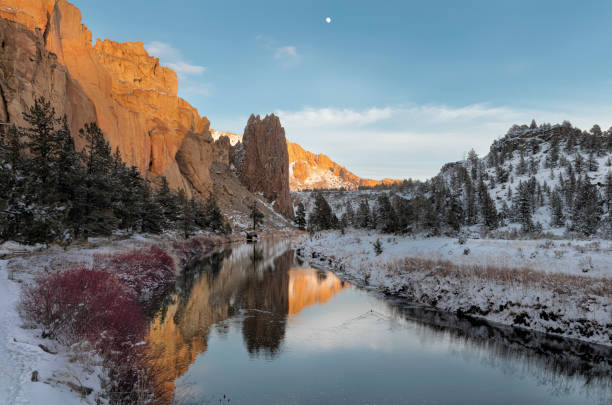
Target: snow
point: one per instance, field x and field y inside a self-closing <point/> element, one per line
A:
<point x="353" y="256"/>
<point x="233" y="138"/>
<point x="20" y="355"/>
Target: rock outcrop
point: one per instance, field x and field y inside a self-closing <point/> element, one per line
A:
<point x="262" y="161"/>
<point x="135" y="99"/>
<point x="29" y="71"/>
<point x="317" y="171"/>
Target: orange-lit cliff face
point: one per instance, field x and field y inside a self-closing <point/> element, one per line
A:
<point x="308" y="170"/>
<point x="135" y="98"/>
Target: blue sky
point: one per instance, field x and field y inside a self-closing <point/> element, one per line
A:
<point x="388" y="88"/>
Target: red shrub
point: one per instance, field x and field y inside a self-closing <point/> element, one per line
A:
<point x="83" y="304"/>
<point x="144" y="272"/>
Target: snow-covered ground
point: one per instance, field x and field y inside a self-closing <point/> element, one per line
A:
<point x="59" y="374"/>
<point x="62" y="371"/>
<point x="556" y="286"/>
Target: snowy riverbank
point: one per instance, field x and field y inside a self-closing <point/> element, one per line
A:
<point x="40" y="370"/>
<point x="557" y="286"/>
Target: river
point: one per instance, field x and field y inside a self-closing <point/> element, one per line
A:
<point x="252" y="325"/>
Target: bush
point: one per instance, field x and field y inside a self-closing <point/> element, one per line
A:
<point x="145" y="273"/>
<point x="83" y="304"/>
<point x="378" y="248"/>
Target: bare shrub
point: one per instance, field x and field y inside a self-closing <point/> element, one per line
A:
<point x="83" y="304"/>
<point x="146" y="273"/>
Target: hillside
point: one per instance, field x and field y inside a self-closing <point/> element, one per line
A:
<point x="535" y="179"/>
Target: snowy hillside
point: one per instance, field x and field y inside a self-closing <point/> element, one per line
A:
<point x="535" y="180"/>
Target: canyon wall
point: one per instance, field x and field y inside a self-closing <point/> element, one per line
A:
<point x="29" y="71"/>
<point x="134" y="99"/>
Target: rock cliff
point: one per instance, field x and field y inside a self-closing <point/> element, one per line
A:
<point x="28" y="71"/>
<point x="262" y="162"/>
<point x="134" y="98"/>
<point x="317" y="171"/>
<point x="309" y="170"/>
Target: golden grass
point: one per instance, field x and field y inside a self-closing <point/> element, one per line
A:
<point x="560" y="283"/>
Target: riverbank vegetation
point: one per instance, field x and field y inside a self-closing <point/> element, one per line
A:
<point x="560" y="287"/>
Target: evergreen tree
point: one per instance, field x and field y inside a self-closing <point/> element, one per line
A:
<point x="300" y="216"/>
<point x="255" y="215"/>
<point x="168" y="202"/>
<point x="556" y="204"/>
<point x="362" y="217"/>
<point x="186" y="214"/>
<point x="524" y="207"/>
<point x="322" y="216"/>
<point x="587" y="209"/>
<point x="487" y="207"/>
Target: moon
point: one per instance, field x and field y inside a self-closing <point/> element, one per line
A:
<point x="328" y="20"/>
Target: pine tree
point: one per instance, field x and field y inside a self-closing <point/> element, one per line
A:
<point x="362" y="217"/>
<point x="556" y="204"/>
<point x="487" y="207"/>
<point x="255" y="215"/>
<point x="300" y="216"/>
<point x="186" y="214"/>
<point x="322" y="216"/>
<point x="168" y="202"/>
<point x="524" y="207"/>
<point x="587" y="209"/>
<point x="592" y="165"/>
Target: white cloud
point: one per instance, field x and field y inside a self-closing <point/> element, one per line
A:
<point x="331" y="117"/>
<point x="287" y="56"/>
<point x="172" y="58"/>
<point x="416" y="140"/>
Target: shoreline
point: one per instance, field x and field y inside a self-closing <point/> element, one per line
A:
<point x="465" y="295"/>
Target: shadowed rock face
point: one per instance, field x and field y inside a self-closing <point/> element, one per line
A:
<point x="134" y="99"/>
<point x="262" y="161"/>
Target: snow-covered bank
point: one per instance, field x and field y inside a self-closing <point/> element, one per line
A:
<point x="61" y="371"/>
<point x="65" y="375"/>
<point x="560" y="287"/>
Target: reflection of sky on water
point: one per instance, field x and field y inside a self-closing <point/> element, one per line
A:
<point x="269" y="332"/>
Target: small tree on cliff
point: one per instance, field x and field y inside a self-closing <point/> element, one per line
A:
<point x="300" y="216"/>
<point x="256" y="215"/>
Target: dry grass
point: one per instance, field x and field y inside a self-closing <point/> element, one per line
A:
<point x="560" y="283"/>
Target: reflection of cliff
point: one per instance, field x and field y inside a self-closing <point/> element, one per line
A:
<point x="224" y="285"/>
<point x="307" y="287"/>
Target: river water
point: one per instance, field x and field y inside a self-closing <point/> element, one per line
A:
<point x="251" y="325"/>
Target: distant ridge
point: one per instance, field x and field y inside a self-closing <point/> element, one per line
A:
<point x="311" y="171"/>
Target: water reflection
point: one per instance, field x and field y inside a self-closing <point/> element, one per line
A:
<point x="255" y="282"/>
<point x="255" y="297"/>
